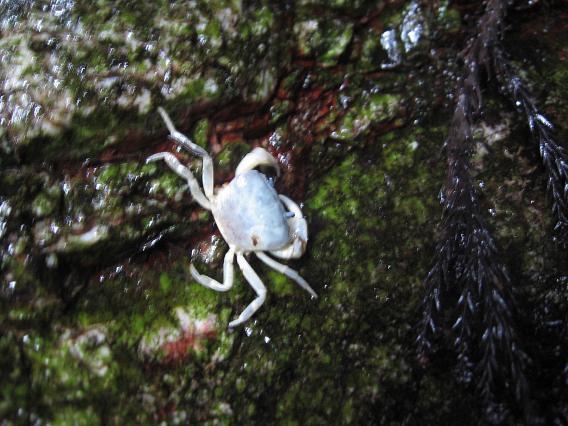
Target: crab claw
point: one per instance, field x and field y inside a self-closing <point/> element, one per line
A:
<point x="257" y="157"/>
<point x="298" y="232"/>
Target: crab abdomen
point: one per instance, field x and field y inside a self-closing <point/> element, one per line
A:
<point x="249" y="214"/>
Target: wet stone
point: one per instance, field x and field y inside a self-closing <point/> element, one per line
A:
<point x="354" y="99"/>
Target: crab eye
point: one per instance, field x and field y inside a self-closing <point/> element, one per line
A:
<point x="288" y="215"/>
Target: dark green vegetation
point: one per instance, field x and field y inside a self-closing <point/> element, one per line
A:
<point x="100" y="322"/>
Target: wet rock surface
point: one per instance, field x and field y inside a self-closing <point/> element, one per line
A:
<point x="100" y="320"/>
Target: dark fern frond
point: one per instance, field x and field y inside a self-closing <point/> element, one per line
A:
<point x="431" y="306"/>
<point x="468" y="284"/>
<point x="467" y="270"/>
<point x="554" y="156"/>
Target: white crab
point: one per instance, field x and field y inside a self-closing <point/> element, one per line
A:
<point x="250" y="215"/>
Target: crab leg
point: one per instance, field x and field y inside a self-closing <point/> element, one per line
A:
<point x="257" y="286"/>
<point x="286" y="270"/>
<point x="180" y="138"/>
<point x="257" y="157"/>
<point x="227" y="274"/>
<point x="185" y="173"/>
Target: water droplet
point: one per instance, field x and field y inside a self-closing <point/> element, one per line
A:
<point x="389" y="43"/>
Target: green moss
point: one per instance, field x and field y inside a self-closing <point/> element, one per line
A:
<point x="367" y="111"/>
<point x="280" y="284"/>
<point x="138" y="325"/>
<point x="47" y="201"/>
<point x="86" y="136"/>
<point x="240" y="385"/>
<point x="231" y="155"/>
<point x="199" y="299"/>
<point x="371" y="51"/>
<point x="326" y="40"/>
<point x="339" y="197"/>
<point x="204" y="216"/>
<point x="263" y="85"/>
<point x="109" y="173"/>
<point x="392" y="17"/>
<point x="168" y="183"/>
<point x="411" y="206"/>
<point x="263" y="20"/>
<point x="448" y="17"/>
<point x="202" y="88"/>
<point x="21" y="245"/>
<point x="79" y="366"/>
<point x="347" y="411"/>
<point x="201" y="133"/>
<point x="278" y="110"/>
<point x="336" y="42"/>
<point x="165" y="282"/>
<point x="560" y="77"/>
